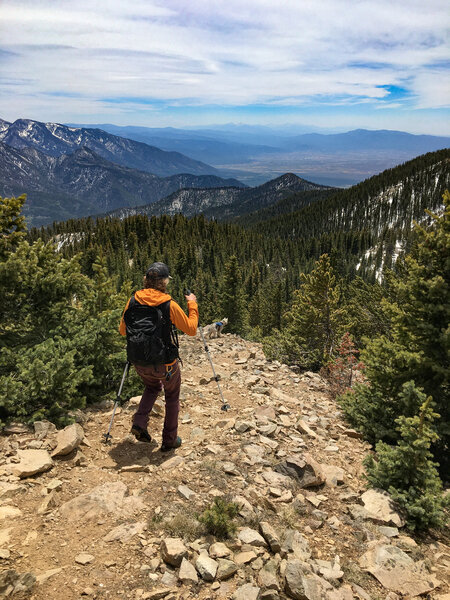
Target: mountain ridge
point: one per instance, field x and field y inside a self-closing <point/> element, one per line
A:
<point x="56" y="139"/>
<point x="83" y="183"/>
<point x="223" y="203"/>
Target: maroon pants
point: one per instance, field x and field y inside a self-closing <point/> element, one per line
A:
<point x="155" y="379"/>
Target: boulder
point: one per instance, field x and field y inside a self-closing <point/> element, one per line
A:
<point x="302" y="584"/>
<point x="226" y="569"/>
<point x="305" y="470"/>
<point x="188" y="574"/>
<point x="381" y="508"/>
<point x="173" y="551"/>
<point x="206" y="566"/>
<point x="251" y="537"/>
<point x="32" y="462"/>
<point x="68" y="439"/>
<point x="104" y="499"/>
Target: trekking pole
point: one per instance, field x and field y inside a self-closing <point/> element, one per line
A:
<point x="225" y="406"/>
<point x="107" y="436"/>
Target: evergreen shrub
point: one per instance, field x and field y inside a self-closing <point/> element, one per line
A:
<point x="407" y="470"/>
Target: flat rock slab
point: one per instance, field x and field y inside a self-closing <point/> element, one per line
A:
<point x="9" y="512"/>
<point x="397" y="571"/>
<point x="104" y="499"/>
<point x="68" y="439"/>
<point x="124" y="533"/>
<point x="32" y="462"/>
<point x="296" y="544"/>
<point x="246" y="592"/>
<point x="381" y="508"/>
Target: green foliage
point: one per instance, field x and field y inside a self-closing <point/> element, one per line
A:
<point x="416" y="346"/>
<point x="12" y="224"/>
<point x="218" y="518"/>
<point x="59" y="345"/>
<point x="407" y="470"/>
<point x="232" y="298"/>
<point x="315" y="322"/>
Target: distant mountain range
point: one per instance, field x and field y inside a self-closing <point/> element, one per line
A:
<point x="255" y="154"/>
<point x="55" y="139"/>
<point x="84" y="183"/>
<point x="223" y="203"/>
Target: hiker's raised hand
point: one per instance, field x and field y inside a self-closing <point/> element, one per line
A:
<point x="191" y="296"/>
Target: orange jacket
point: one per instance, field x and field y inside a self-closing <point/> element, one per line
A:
<point x="187" y="324"/>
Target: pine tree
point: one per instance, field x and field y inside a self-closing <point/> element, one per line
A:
<point x="232" y="298"/>
<point x="12" y="224"/>
<point x="407" y="470"/>
<point x="315" y="322"/>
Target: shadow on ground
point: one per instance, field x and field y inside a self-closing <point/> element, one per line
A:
<point x="128" y="453"/>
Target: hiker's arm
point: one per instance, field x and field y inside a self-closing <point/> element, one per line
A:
<point x="122" y="327"/>
<point x="187" y="324"/>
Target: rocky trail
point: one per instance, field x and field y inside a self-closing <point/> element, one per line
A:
<point x="79" y="518"/>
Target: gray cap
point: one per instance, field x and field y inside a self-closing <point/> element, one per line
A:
<point x="158" y="270"/>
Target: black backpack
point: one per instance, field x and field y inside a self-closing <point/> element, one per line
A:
<point x="151" y="336"/>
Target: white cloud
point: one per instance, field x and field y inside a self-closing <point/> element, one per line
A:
<point x="233" y="53"/>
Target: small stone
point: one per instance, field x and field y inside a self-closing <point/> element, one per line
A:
<point x="4" y="553"/>
<point x="243" y="558"/>
<point x="270" y="535"/>
<point x="206" y="566"/>
<point x="68" y="439"/>
<point x="242" y="426"/>
<point x="185" y="492"/>
<point x="54" y="485"/>
<point x="84" y="558"/>
<point x="188" y="574"/>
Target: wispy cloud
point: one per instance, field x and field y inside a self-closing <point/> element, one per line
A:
<point x="234" y="54"/>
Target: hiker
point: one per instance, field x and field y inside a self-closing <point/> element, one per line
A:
<point x="157" y="363"/>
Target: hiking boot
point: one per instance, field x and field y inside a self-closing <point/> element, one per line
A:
<point x="176" y="444"/>
<point x="140" y="434"/>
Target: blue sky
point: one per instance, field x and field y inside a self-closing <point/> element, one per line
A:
<point x="335" y="64"/>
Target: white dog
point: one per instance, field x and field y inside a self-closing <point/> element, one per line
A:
<point x="215" y="329"/>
